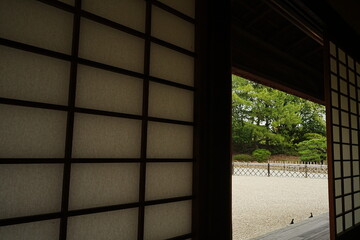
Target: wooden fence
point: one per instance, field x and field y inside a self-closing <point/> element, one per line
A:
<point x="282" y="169"/>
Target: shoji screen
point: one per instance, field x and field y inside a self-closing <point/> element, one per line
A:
<point x="344" y="82"/>
<point x="96" y="119"/>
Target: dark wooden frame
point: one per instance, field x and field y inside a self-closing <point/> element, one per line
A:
<point x="352" y="231"/>
<point x="212" y="182"/>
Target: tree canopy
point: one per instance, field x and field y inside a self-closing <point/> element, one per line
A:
<point x="263" y="117"/>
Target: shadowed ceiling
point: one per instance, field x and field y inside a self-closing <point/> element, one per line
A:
<point x="282" y="41"/>
<point x="269" y="45"/>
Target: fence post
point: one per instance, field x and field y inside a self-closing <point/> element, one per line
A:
<point x="268" y="169"/>
<point x="306" y="170"/>
<point x="284" y="167"/>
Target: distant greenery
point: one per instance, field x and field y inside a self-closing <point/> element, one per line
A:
<point x="313" y="149"/>
<point x="265" y="118"/>
<point x="244" y="157"/>
<point x="261" y="155"/>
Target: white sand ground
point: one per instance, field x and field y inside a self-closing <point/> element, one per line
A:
<point x="264" y="204"/>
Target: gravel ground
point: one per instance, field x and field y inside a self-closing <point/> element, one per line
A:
<point x="264" y="204"/>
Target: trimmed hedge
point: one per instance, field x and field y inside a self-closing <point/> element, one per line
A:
<point x="261" y="155"/>
<point x="243" y="157"/>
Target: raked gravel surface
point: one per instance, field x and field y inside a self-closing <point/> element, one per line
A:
<point x="264" y="204"/>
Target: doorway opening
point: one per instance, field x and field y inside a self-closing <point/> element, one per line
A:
<point x="279" y="161"/>
<point x="280" y="48"/>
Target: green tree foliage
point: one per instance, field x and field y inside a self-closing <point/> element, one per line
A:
<point x="263" y="117"/>
<point x="261" y="155"/>
<point x="313" y="149"/>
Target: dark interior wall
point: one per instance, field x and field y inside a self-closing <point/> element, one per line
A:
<point x="212" y="204"/>
<point x="349" y="11"/>
<point x="345" y="33"/>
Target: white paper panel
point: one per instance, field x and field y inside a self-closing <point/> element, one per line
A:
<point x="343" y="87"/>
<point x="44" y="230"/>
<point x="342" y="70"/>
<point x="356" y="184"/>
<point x="346" y="153"/>
<point x="337" y="169"/>
<point x="43" y="26"/>
<point x="351" y="76"/>
<point x="348" y="202"/>
<point x="106" y="137"/>
<point x="336" y="152"/>
<point x="342" y="56"/>
<point x="334" y="99"/>
<point x="353" y="107"/>
<point x="338" y="206"/>
<point x="172" y="29"/>
<point x="333" y="65"/>
<point x="120" y="224"/>
<point x="339" y="225"/>
<point x="347" y="168"/>
<point x="344" y="119"/>
<point x="33" y="77"/>
<point x="347" y="185"/>
<point x="334" y="82"/>
<point x="332" y="49"/>
<point x="352" y="92"/>
<point x="170" y="102"/>
<point x="338" y="187"/>
<point x="357" y="216"/>
<point x="345" y="135"/>
<point x="185" y="6"/>
<point x="167" y="220"/>
<point x="110" y="46"/>
<point x="351" y="62"/>
<point x="356" y="170"/>
<point x="335" y="116"/>
<point x="128" y="13"/>
<point x="31" y="132"/>
<point x="167" y="180"/>
<point x="355" y="152"/>
<point x="344" y="102"/>
<point x="348" y="220"/>
<point x="103" y="184"/>
<point x="171" y="65"/>
<point x="354" y="121"/>
<point x="336" y="134"/>
<point x="357" y="200"/>
<point x="30" y="189"/>
<point x="104" y="90"/>
<point x="169" y="141"/>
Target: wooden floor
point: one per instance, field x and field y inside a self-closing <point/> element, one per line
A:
<point x="316" y="228"/>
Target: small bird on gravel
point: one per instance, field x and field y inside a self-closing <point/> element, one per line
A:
<point x="292" y="221"/>
<point x="311" y="215"/>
